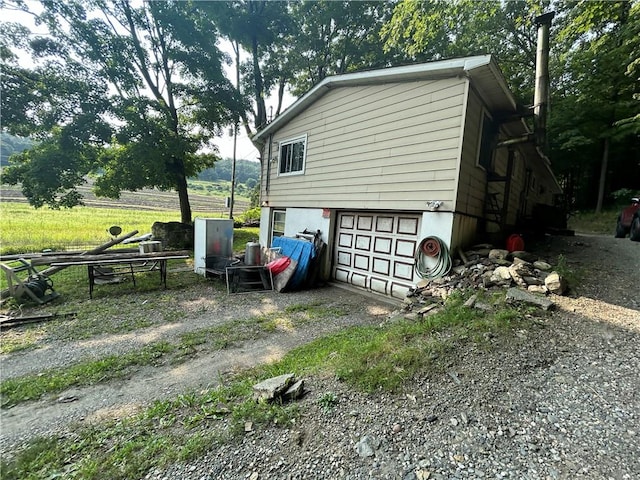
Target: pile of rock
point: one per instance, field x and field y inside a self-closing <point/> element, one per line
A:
<point x="487" y="268"/>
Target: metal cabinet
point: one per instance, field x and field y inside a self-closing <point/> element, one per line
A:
<point x="211" y="237"/>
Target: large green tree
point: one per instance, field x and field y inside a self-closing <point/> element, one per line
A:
<point x="595" y="107"/>
<point x="132" y="91"/>
<point x="433" y="29"/>
<point x="295" y="45"/>
<point x="335" y="37"/>
<point x="258" y="27"/>
<point x="594" y="122"/>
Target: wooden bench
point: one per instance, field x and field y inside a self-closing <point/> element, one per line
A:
<point x="138" y="263"/>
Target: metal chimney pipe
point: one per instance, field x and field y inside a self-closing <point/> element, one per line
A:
<point x="541" y="95"/>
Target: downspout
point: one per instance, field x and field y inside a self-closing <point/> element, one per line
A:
<point x="268" y="179"/>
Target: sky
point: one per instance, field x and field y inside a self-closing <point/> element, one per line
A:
<point x="244" y="148"/>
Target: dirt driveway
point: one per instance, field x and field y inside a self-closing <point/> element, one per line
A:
<point x="559" y="402"/>
<point x="201" y="308"/>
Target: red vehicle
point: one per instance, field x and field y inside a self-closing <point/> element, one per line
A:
<point x="629" y="221"/>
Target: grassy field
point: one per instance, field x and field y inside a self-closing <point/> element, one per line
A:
<point x="24" y="229"/>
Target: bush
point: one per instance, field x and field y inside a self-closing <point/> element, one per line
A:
<point x="622" y="196"/>
<point x="251" y="214"/>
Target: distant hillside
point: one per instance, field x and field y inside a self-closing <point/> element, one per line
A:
<point x="10" y="144"/>
<point x="247" y="172"/>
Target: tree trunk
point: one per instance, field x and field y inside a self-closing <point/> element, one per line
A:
<point x="603" y="174"/>
<point x="261" y="113"/>
<point x="183" y="196"/>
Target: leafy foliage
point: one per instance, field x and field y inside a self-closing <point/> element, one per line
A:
<point x="246" y="172"/>
<point x="594" y="75"/>
<point x="10" y="144"/>
<point x="133" y="92"/>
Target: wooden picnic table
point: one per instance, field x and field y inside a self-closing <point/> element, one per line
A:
<point x="137" y="263"/>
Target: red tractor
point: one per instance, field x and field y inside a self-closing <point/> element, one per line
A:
<point x="629" y="221"/>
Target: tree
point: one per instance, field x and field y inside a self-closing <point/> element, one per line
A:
<point x="433" y="30"/>
<point x="257" y="26"/>
<point x="335" y="37"/>
<point x="594" y="122"/>
<point x="143" y="95"/>
<point x="10" y="144"/>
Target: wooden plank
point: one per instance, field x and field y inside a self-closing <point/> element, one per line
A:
<point x="104" y="246"/>
<point x="147" y="257"/>
<point x="83" y="260"/>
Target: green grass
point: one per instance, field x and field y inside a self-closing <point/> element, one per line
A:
<point x="596" y="223"/>
<point x="33" y="387"/>
<point x="367" y="358"/>
<point x="25" y="229"/>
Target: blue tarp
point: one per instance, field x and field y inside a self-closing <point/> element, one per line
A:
<point x="301" y="251"/>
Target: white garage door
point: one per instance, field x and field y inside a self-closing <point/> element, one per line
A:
<point x="375" y="251"/>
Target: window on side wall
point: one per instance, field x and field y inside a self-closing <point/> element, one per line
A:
<point x="277" y="224"/>
<point x="292" y="156"/>
<point x="485" y="148"/>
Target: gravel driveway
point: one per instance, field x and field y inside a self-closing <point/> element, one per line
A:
<point x="560" y="400"/>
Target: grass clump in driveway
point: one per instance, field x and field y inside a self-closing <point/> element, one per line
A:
<point x="31" y="387"/>
<point x="385" y="358"/>
<point x="368" y="358"/>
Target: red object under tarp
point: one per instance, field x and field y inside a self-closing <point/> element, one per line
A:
<point x="279" y="265"/>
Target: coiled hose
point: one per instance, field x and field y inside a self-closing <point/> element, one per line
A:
<point x="432" y="258"/>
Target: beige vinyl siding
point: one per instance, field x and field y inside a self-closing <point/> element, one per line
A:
<point x="472" y="182"/>
<point x="389" y="146"/>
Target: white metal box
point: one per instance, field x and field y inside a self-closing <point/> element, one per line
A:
<point x="211" y="237"/>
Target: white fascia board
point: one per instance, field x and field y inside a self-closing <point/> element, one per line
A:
<point x="502" y="82"/>
<point x="441" y="68"/>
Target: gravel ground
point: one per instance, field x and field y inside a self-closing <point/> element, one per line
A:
<point x="559" y="399"/>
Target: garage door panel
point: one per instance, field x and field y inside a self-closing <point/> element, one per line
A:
<point x="403" y="270"/>
<point x="382" y="245"/>
<point x="384" y="224"/>
<point x="381" y="266"/>
<point x="347" y="221"/>
<point x="342" y="275"/>
<point x="408" y="226"/>
<point x="361" y="262"/>
<point x="365" y="222"/>
<point x="399" y="290"/>
<point x="363" y="242"/>
<point x="344" y="258"/>
<point x="379" y="285"/>
<point x="359" y="280"/>
<point x="345" y="240"/>
<point x="405" y="248"/>
<point x="376" y="251"/>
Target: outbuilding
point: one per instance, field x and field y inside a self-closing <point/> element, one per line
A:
<point x="379" y="160"/>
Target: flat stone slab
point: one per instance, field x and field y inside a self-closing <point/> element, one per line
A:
<point x="517" y="295"/>
<point x="273" y="387"/>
